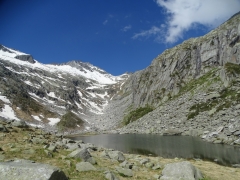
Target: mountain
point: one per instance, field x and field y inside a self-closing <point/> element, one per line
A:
<point x="191" y="89"/>
<point x="43" y="94"/>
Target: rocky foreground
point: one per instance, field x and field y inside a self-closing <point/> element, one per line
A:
<point x="31" y="153"/>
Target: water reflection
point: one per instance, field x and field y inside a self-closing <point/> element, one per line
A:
<point x="167" y="146"/>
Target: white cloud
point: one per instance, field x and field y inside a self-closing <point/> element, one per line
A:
<point x="126" y="28"/>
<point x="154" y="31"/>
<point x="182" y="15"/>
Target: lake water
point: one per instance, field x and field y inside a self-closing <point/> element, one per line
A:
<point x="167" y="146"/>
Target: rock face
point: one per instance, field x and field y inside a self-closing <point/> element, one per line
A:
<point x="181" y="170"/>
<point x="24" y="169"/>
<point x="27" y="58"/>
<point x="194" y="88"/>
<point x="175" y="67"/>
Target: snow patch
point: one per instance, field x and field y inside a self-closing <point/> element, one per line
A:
<point x="36" y="118"/>
<point x="53" y="121"/>
<point x="52" y="94"/>
<point x="8" y="113"/>
<point x="5" y="99"/>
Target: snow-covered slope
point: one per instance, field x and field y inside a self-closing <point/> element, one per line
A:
<point x="78" y="68"/>
<point x="75" y="86"/>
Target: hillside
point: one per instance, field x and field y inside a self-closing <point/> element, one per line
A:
<point x="193" y="88"/>
<point x="42" y="94"/>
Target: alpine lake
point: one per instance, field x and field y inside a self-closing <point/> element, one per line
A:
<point x="186" y="147"/>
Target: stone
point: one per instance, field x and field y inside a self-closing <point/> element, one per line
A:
<point x="149" y="165"/>
<point x="20" y="124"/>
<point x="49" y="154"/>
<point x="181" y="170"/>
<point x="212" y="111"/>
<point x="25" y="169"/>
<point x="83" y="154"/>
<point x="52" y="148"/>
<point x="237" y="141"/>
<point x="104" y="154"/>
<point x="110" y="175"/>
<point x="213" y="96"/>
<point x="144" y="161"/>
<point x="85" y="166"/>
<point x="125" y="172"/>
<point x="237" y="133"/>
<point x="3" y="128"/>
<point x="126" y="164"/>
<point x="116" y="155"/>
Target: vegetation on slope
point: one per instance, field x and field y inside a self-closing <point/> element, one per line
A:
<point x="136" y="114"/>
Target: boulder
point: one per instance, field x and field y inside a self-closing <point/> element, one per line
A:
<point x="20" y="124"/>
<point x="181" y="170"/>
<point x="110" y="176"/>
<point x="85" y="166"/>
<point x="3" y="128"/>
<point x="116" y="155"/>
<point x="125" y="172"/>
<point x="25" y="169"/>
<point x="83" y="154"/>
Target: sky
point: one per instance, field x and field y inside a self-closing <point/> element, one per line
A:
<point x="117" y="36"/>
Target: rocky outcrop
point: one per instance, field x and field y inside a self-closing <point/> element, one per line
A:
<point x="25" y="169"/>
<point x="182" y="170"/>
<point x="26" y="57"/>
<point x="175" y="67"/>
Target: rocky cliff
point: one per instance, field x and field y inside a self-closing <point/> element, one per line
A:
<point x="176" y="67"/>
<point x="193" y="87"/>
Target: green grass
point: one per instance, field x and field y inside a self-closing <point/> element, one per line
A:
<point x="136" y="114"/>
<point x="233" y="69"/>
<point x="226" y="99"/>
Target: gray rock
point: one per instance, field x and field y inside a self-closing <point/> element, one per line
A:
<point x="213" y="96"/>
<point x="3" y="128"/>
<point x="36" y="140"/>
<point x="125" y="172"/>
<point x="110" y="175"/>
<point x="52" y="148"/>
<point x="25" y="57"/>
<point x="20" y="124"/>
<point x="237" y="141"/>
<point x="126" y="164"/>
<point x="85" y="166"/>
<point x="181" y="170"/>
<point x="144" y="161"/>
<point x="116" y="155"/>
<point x="25" y="169"/>
<point x="83" y="154"/>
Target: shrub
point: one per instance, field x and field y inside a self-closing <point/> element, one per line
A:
<point x="136" y="114"/>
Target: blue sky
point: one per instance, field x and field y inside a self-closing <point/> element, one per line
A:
<point x="116" y="35"/>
